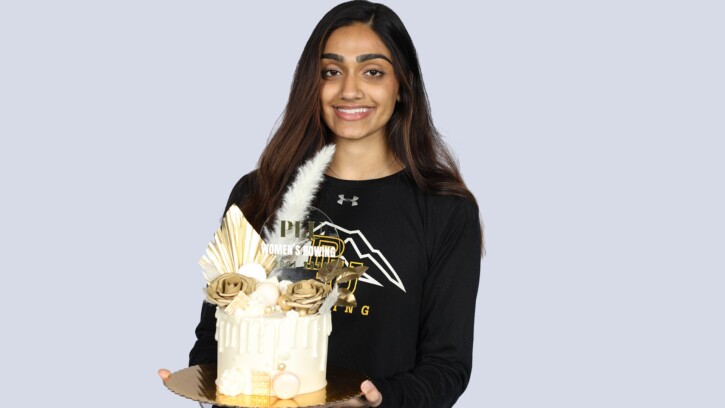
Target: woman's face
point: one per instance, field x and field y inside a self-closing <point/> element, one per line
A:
<point x="359" y="87"/>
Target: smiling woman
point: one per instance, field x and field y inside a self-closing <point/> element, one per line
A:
<point x="394" y="192"/>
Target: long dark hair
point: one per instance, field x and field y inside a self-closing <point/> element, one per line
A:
<point x="410" y="132"/>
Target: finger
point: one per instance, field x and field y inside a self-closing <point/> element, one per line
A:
<point x="164" y="374"/>
<point x="371" y="393"/>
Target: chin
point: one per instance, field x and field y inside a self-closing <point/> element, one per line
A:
<point x="355" y="133"/>
<point x="347" y="133"/>
<point x="349" y="136"/>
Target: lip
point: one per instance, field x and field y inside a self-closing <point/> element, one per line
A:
<point x="352" y="116"/>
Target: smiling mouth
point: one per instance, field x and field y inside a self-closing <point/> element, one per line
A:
<point x="352" y="113"/>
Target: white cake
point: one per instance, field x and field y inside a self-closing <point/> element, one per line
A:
<point x="279" y="354"/>
<point x="271" y="334"/>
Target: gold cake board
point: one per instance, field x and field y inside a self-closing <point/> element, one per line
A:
<point x="197" y="383"/>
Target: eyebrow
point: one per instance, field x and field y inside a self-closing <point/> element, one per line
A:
<point x="359" y="58"/>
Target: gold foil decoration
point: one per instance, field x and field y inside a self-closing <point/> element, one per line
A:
<point x="337" y="272"/>
<point x="222" y="290"/>
<point x="345" y="298"/>
<point x="261" y="383"/>
<point x="235" y="243"/>
<point x="334" y="273"/>
<point x="305" y="296"/>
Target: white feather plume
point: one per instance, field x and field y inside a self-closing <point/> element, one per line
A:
<point x="299" y="195"/>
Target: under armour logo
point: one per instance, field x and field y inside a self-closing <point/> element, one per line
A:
<point x="353" y="200"/>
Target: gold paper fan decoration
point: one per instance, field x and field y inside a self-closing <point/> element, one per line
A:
<point x="235" y="243"/>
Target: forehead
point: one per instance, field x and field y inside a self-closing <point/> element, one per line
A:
<point x="351" y="41"/>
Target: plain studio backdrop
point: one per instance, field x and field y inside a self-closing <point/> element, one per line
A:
<point x="590" y="132"/>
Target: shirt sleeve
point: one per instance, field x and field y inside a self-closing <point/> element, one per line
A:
<point x="204" y="350"/>
<point x="445" y="340"/>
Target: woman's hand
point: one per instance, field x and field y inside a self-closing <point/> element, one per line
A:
<point x="371" y="393"/>
<point x="164" y="374"/>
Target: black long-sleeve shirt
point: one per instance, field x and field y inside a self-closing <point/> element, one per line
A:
<point x="412" y="330"/>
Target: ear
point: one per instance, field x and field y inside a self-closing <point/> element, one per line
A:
<point x="397" y="97"/>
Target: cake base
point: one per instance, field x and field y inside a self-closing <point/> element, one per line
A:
<point x="255" y="350"/>
<point x="197" y="383"/>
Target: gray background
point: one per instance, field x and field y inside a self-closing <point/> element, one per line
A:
<point x="590" y="132"/>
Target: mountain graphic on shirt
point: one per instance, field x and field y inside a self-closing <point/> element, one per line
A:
<point x="357" y="244"/>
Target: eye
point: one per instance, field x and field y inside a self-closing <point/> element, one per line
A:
<point x="375" y="73"/>
<point x="328" y="73"/>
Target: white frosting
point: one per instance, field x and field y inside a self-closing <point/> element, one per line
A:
<point x="285" y="385"/>
<point x="282" y="286"/>
<point x="258" y="345"/>
<point x="231" y="382"/>
<point x="253" y="309"/>
<point x="267" y="293"/>
<point x="253" y="270"/>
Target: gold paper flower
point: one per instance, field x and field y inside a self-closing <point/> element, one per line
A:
<point x="304" y="297"/>
<point x="223" y="289"/>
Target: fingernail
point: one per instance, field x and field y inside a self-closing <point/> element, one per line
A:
<point x="366" y="386"/>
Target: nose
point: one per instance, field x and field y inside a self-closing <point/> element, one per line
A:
<point x="350" y="88"/>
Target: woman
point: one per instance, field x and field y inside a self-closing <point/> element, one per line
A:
<point x="396" y="194"/>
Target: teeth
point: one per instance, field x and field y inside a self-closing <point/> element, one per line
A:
<point x="358" y="110"/>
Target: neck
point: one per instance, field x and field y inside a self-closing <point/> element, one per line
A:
<point x="356" y="160"/>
